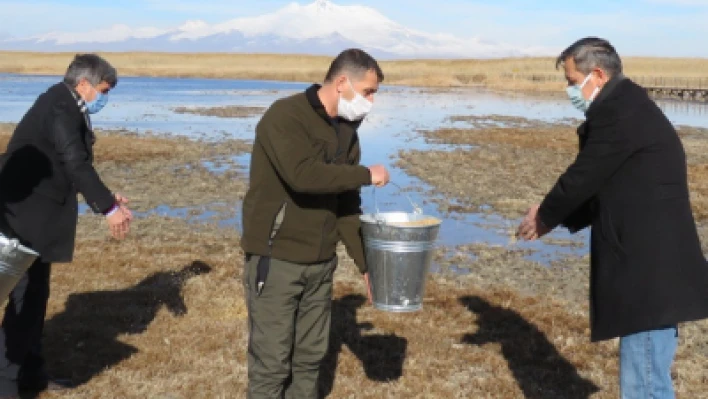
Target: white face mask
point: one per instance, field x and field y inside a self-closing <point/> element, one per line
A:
<point x="355" y="109"/>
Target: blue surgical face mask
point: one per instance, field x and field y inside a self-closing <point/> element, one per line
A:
<point x="98" y="103"/>
<point x="575" y="92"/>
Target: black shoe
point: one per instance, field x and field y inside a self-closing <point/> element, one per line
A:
<point x="8" y="389"/>
<point x="59" y="384"/>
<point x="40" y="381"/>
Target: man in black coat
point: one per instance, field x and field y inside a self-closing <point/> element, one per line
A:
<point x="49" y="159"/>
<point x="629" y="182"/>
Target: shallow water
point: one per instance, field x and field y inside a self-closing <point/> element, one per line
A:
<point x="144" y="104"/>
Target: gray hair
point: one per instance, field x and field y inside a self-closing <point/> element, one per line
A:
<point x="592" y="52"/>
<point x="92" y="68"/>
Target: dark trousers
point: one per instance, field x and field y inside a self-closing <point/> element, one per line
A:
<point x="289" y="325"/>
<point x="22" y="325"/>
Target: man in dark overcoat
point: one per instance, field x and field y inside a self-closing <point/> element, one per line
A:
<point x="48" y="160"/>
<point x="629" y="183"/>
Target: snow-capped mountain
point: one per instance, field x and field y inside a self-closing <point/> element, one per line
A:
<point x="321" y="27"/>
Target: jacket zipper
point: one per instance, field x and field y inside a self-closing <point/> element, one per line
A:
<point x="351" y="144"/>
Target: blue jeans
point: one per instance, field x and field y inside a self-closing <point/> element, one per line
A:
<point x="645" y="364"/>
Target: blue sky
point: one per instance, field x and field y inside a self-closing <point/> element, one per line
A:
<point x="636" y="27"/>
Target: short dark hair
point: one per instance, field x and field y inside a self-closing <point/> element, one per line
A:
<point x="92" y="68"/>
<point x="355" y="62"/>
<point x="592" y="52"/>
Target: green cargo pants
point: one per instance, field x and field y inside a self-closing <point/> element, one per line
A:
<point x="289" y="325"/>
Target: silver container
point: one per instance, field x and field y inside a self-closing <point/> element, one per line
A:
<point x="398" y="258"/>
<point x="15" y="259"/>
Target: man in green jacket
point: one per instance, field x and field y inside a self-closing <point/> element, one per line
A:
<point x="302" y="200"/>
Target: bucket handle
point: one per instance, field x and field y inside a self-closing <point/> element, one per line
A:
<point x="416" y="208"/>
<point x="377" y="216"/>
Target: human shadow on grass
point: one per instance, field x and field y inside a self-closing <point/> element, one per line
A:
<point x="83" y="340"/>
<point x="539" y="369"/>
<point x="382" y="356"/>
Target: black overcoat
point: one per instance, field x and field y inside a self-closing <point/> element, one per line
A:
<point x="629" y="183"/>
<point x="49" y="159"/>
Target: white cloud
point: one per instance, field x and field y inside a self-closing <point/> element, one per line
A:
<point x="115" y="33"/>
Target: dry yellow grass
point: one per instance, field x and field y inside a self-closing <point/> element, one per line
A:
<point x="504" y="172"/>
<point x="124" y="147"/>
<point x="5" y="132"/>
<point x="158" y="170"/>
<point x="523" y="74"/>
<point x="162" y="315"/>
<point x="515" y="151"/>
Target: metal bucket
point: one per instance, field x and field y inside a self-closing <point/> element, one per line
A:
<point x="398" y="254"/>
<point x="15" y="259"/>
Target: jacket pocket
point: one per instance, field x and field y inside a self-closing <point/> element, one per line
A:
<point x="671" y="191"/>
<point x="52" y="194"/>
<point x="302" y="230"/>
<point x="610" y="234"/>
<point x="277" y="223"/>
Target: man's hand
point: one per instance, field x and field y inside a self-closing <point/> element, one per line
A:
<point x="368" y="287"/>
<point x="121" y="200"/>
<point x="119" y="222"/>
<point x="379" y="175"/>
<point x="127" y="212"/>
<point x="532" y="227"/>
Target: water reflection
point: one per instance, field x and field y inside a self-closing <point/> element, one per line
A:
<point x="687" y="108"/>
